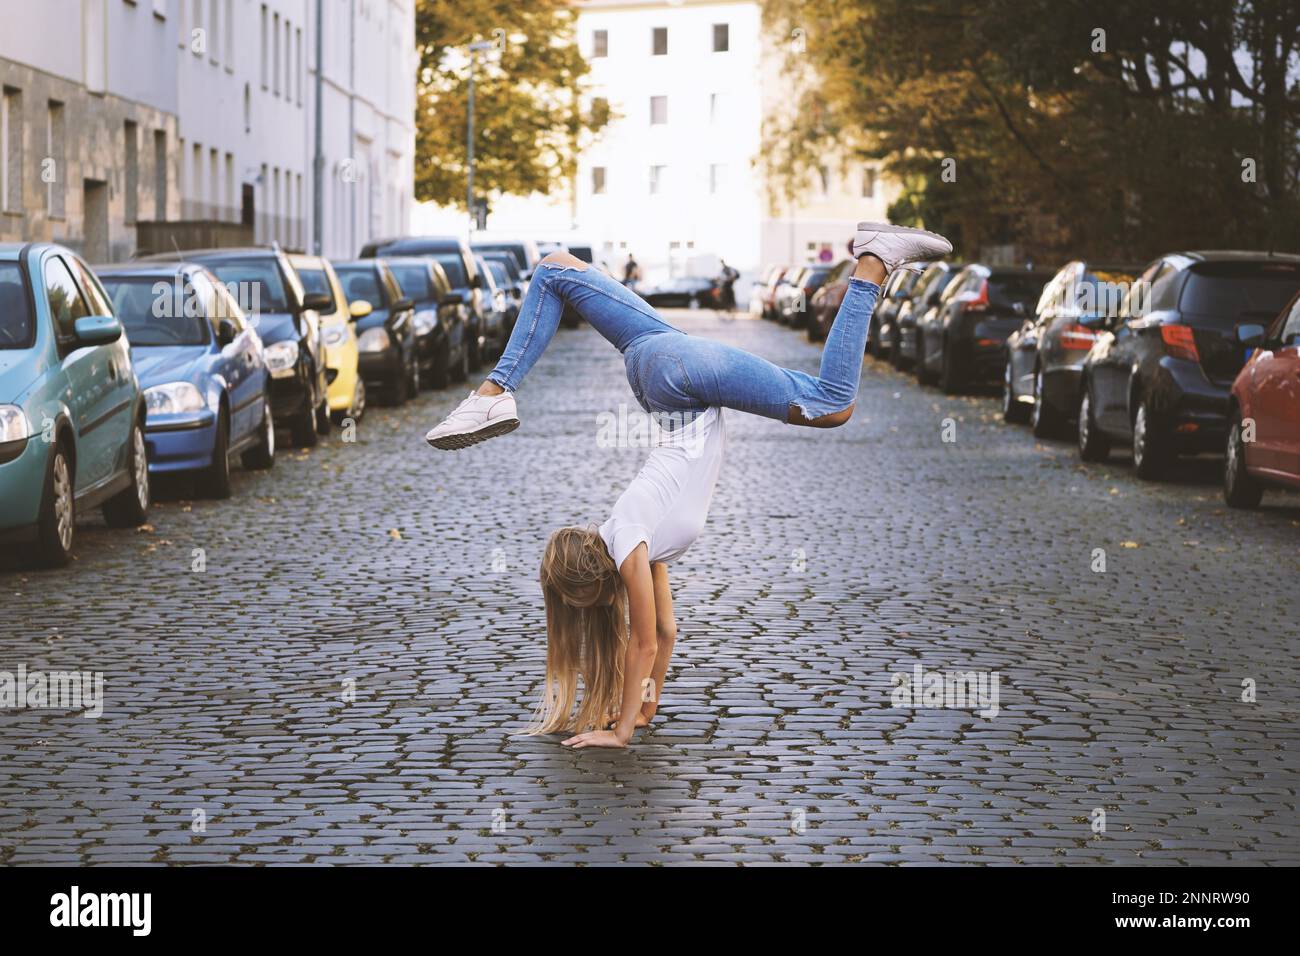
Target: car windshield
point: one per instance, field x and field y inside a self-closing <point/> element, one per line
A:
<point x="1007" y="290"/>
<point x="157" y="311"/>
<point x="316" y="281"/>
<point x="361" y="284"/>
<point x="17" y="330"/>
<point x="516" y="251"/>
<point x="499" y="273"/>
<point x="507" y="262"/>
<point x="1231" y="290"/>
<point x="581" y="252"/>
<point x="454" y="266"/>
<point x="414" y="280"/>
<point x="256" y="284"/>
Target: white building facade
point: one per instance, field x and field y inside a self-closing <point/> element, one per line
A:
<point x="203" y="111"/>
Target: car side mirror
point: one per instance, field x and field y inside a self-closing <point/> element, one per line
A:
<point x="401" y="305"/>
<point x="359" y="309"/>
<point x="1251" y="335"/>
<point x="97" y="330"/>
<point x="316" y="302"/>
<point x="449" y="298"/>
<point x="226" y="332"/>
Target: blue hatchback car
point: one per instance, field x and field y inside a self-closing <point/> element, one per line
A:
<point x="201" y="367"/>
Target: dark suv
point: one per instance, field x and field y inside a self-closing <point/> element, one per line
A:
<point x="387" y="356"/>
<point x="1160" y="373"/>
<point x="963" y="342"/>
<point x="457" y="261"/>
<point x="440" y="339"/>
<point x="287" y="319"/>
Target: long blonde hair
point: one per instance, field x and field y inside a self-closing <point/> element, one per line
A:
<point x="586" y="632"/>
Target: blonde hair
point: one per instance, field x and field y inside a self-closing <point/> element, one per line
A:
<point x="586" y="633"/>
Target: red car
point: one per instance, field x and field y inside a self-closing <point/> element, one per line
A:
<point x="1264" y="415"/>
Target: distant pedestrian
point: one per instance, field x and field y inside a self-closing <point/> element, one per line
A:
<point x="727" y="287"/>
<point x="594" y="580"/>
<point x="631" y="272"/>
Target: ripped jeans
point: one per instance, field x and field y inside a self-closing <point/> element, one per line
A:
<point x="670" y="371"/>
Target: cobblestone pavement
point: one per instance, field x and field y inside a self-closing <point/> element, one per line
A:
<point x="833" y="559"/>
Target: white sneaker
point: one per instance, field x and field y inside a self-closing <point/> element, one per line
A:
<point x="899" y="246"/>
<point x="476" y="419"/>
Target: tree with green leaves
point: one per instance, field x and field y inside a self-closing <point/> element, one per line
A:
<point x="1093" y="127"/>
<point x="529" y="127"/>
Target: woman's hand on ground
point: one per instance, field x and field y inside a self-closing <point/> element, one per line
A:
<point x="595" y="738"/>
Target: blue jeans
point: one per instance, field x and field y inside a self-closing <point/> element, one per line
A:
<point x="670" y="371"/>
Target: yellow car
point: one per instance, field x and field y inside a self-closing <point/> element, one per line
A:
<point x="347" y="390"/>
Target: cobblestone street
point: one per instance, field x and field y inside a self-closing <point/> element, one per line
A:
<point x="832" y="560"/>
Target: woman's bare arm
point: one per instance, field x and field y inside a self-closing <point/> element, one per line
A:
<point x="665" y="635"/>
<point x="639" y="658"/>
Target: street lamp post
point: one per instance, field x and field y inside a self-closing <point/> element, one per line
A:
<point x="474" y="50"/>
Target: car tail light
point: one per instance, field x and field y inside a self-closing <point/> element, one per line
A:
<point x="1180" y="342"/>
<point x="1078" y="337"/>
<point x="981" y="301"/>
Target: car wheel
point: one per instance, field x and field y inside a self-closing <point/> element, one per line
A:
<point x="415" y="377"/>
<point x="358" y="409"/>
<point x="1240" y="490"/>
<point x="948" y="380"/>
<point x="921" y="372"/>
<point x="440" y="374"/>
<point x="474" y="360"/>
<point x="130" y="507"/>
<point x="262" y="455"/>
<point x="1013" y="411"/>
<point x="1150" y="451"/>
<point x="323" y="420"/>
<point x="214" y="481"/>
<point x="1046" y="421"/>
<point x="460" y="371"/>
<point x="56" y="528"/>
<point x="303" y="427"/>
<point x="1093" y="445"/>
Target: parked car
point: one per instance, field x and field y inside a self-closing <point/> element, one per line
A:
<point x="457" y="261"/>
<point x="441" y="339"/>
<point x="883" y="334"/>
<point x="1040" y="383"/>
<point x="1159" y="376"/>
<point x="347" y="389"/>
<point x="505" y="283"/>
<point x="925" y="297"/>
<point x="72" y="415"/>
<point x="385" y="324"/>
<point x="683" y="292"/>
<point x="287" y="319"/>
<point x="825" y="303"/>
<point x="201" y="366"/>
<point x="496" y="312"/>
<point x="518" y="285"/>
<point x="963" y="341"/>
<point x="758" y="291"/>
<point x="525" y="252"/>
<point x="581" y="250"/>
<point x="1265" y="399"/>
<point x="794" y="305"/>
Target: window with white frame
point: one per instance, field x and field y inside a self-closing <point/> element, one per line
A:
<point x="658" y="110"/>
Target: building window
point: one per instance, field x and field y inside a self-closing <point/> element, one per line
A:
<point x="599" y="43"/>
<point x="869" y="182"/>
<point x="160" y="9"/>
<point x="598" y="180"/>
<point x="715" y="177"/>
<point x="228" y="36"/>
<point x="159" y="175"/>
<point x="132" y="170"/>
<point x="721" y="37"/>
<point x="53" y="170"/>
<point x="297" y="35"/>
<point x="11" y="150"/>
<point x="658" y="110"/>
<point x="657" y="174"/>
<point x="198" y="48"/>
<point x="196" y="183"/>
<point x="231" y="208"/>
<point x="659" y="41"/>
<point x="264" y="39"/>
<point x="715" y="107"/>
<point x="275" y="54"/>
<point x="214" y="33"/>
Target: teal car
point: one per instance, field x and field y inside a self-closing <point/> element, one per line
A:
<point x="72" y="414"/>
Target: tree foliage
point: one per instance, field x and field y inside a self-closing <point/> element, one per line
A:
<point x="1099" y="127"/>
<point x="529" y="127"/>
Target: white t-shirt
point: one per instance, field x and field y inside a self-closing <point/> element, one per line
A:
<point x="668" y="501"/>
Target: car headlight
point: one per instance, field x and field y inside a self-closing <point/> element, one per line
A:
<point x="373" y="340"/>
<point x="13" y="424"/>
<point x="281" y="358"/>
<point x="425" y="320"/>
<point x="335" y="335"/>
<point x="172" y="398"/>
